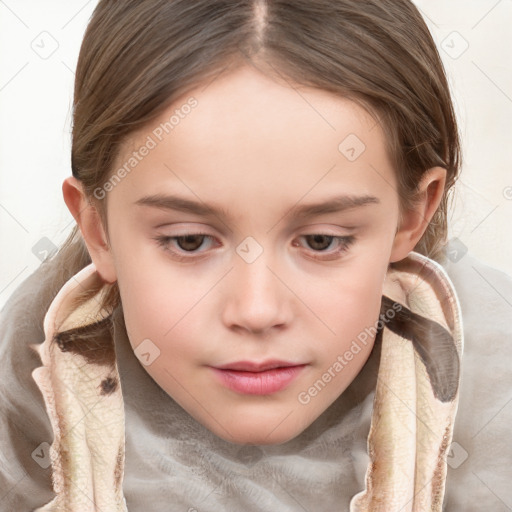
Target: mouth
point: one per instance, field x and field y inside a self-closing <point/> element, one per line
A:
<point x="255" y="378"/>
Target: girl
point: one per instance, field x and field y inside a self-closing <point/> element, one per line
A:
<point x="248" y="313"/>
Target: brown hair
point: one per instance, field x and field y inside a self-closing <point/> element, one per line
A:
<point x="137" y="57"/>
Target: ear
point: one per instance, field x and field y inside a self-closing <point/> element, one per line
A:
<point x="414" y="222"/>
<point x="91" y="227"/>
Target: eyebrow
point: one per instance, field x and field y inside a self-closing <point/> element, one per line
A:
<point x="330" y="205"/>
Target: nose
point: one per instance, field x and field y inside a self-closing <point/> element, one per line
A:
<point x="257" y="300"/>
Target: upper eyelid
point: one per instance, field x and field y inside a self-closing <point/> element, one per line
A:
<point x="309" y="230"/>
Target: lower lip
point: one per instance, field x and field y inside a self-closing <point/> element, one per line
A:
<point x="259" y="383"/>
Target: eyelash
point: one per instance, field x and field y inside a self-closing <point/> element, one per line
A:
<point x="344" y="244"/>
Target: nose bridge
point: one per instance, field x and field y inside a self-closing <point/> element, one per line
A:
<point x="256" y="298"/>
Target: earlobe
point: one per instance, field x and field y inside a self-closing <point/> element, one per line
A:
<point x="414" y="222"/>
<point x="91" y="228"/>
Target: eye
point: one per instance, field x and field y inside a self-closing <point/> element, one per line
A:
<point x="319" y="242"/>
<point x="325" y="246"/>
<point x="180" y="245"/>
<point x="190" y="242"/>
<point x="187" y="246"/>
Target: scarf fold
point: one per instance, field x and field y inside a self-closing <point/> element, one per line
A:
<point x="417" y="390"/>
<point x="414" y="407"/>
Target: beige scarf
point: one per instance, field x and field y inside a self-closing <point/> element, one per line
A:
<point x="413" y="413"/>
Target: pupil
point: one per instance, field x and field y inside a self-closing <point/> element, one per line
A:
<point x="319" y="240"/>
<point x="189" y="242"/>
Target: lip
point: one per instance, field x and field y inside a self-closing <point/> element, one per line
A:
<point x="258" y="378"/>
<point x="253" y="366"/>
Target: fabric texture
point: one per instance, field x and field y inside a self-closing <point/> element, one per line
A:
<point x="413" y="412"/>
<point x="174" y="463"/>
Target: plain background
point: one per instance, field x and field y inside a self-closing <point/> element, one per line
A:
<point x="39" y="45"/>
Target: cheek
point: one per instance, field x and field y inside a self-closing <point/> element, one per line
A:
<point x="343" y="344"/>
<point x="153" y="295"/>
<point x="352" y="312"/>
<point x="154" y="305"/>
<point x="159" y="322"/>
<point x="351" y="299"/>
<point x="175" y="313"/>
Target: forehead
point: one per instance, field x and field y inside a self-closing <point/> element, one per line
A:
<point x="260" y="109"/>
<point x="247" y="128"/>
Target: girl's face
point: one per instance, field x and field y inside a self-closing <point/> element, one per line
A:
<point x="253" y="223"/>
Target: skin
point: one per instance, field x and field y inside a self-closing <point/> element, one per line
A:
<point x="257" y="148"/>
